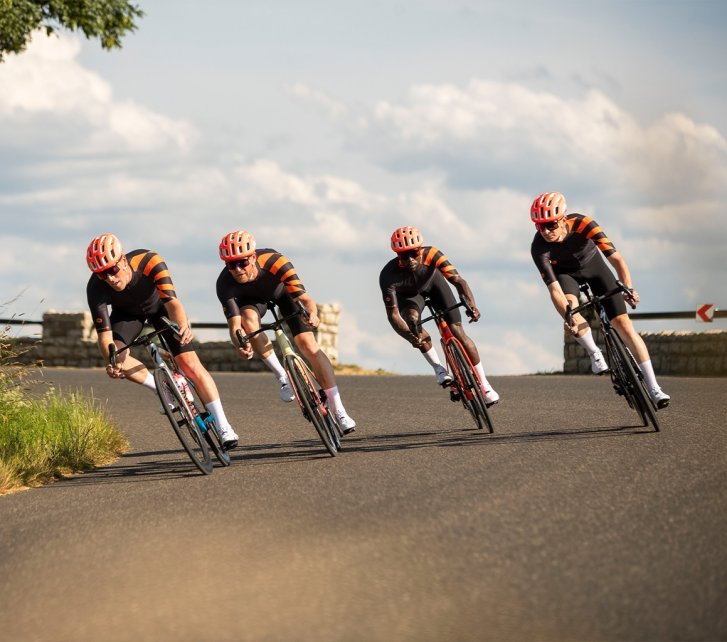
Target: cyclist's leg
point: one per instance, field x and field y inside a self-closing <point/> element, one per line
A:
<point x="410" y="309"/>
<point x="125" y="328"/>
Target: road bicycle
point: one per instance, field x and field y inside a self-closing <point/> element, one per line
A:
<point x="465" y="385"/>
<point x="310" y="396"/>
<point x="194" y="426"/>
<point x="626" y="376"/>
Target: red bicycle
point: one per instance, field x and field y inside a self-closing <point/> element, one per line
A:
<point x="466" y="385"/>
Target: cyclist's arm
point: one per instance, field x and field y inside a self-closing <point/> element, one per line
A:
<point x="401" y="328"/>
<point x="624" y="275"/>
<point x="235" y="324"/>
<point x="176" y="313"/>
<point x="312" y="308"/>
<point x="557" y="296"/>
<point x="465" y="293"/>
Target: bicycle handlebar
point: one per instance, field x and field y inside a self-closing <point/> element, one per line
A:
<point x="143" y="339"/>
<point x="594" y="300"/>
<point x="439" y="314"/>
<point x="244" y="339"/>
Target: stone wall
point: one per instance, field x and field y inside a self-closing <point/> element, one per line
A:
<point x="69" y="340"/>
<point x="672" y="353"/>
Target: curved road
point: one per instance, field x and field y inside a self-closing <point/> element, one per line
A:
<point x="569" y="523"/>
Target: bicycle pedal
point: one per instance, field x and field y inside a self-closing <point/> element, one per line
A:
<point x="454" y="396"/>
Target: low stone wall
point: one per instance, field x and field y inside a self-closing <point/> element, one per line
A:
<point x="69" y="340"/>
<point x="672" y="353"/>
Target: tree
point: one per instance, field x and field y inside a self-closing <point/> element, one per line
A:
<point x="107" y="20"/>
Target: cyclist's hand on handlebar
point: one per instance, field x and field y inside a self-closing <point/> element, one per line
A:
<point x="115" y="372"/>
<point x="474" y="315"/>
<point x="313" y="321"/>
<point x="245" y="351"/>
<point x="417" y="341"/>
<point x="632" y="298"/>
<point x="571" y="329"/>
<point x="185" y="335"/>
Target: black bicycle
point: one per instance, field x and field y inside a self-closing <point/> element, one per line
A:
<point x="465" y="385"/>
<point x="194" y="426"/>
<point x="626" y="376"/>
<point x="309" y="394"/>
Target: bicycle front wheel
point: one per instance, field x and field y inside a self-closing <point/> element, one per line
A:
<point x="469" y="384"/>
<point x="633" y="381"/>
<point x="310" y="403"/>
<point x="182" y="420"/>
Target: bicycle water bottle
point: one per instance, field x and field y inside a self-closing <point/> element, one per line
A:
<point x="184" y="388"/>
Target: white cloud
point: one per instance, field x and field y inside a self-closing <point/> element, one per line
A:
<point x="46" y="84"/>
<point x="335" y="108"/>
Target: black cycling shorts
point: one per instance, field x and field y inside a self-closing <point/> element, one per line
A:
<point x="126" y="327"/>
<point x="440" y="295"/>
<point x="598" y="275"/>
<point x="286" y="306"/>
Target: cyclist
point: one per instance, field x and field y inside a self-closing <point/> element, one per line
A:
<point x="250" y="279"/>
<point x="566" y="251"/>
<point x="420" y="270"/>
<point x="138" y="287"/>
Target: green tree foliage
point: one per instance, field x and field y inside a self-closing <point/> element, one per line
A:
<point x="107" y="20"/>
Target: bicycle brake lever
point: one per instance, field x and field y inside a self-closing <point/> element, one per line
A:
<point x="112" y="354"/>
<point x="173" y="326"/>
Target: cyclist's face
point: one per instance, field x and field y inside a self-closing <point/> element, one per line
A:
<point x="118" y="276"/>
<point x="410" y="260"/>
<point x="553" y="232"/>
<point x="243" y="270"/>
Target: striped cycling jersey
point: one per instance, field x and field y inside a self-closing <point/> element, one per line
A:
<point x="148" y="290"/>
<point x="581" y="243"/>
<point x="396" y="281"/>
<point x="276" y="278"/>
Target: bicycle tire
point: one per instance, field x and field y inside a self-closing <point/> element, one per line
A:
<point x="180" y="416"/>
<point x="635" y="382"/>
<point x="471" y="396"/>
<point x="212" y="436"/>
<point x="310" y="403"/>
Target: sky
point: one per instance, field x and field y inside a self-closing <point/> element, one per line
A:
<point x="323" y="126"/>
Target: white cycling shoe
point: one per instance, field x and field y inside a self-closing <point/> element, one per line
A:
<point x="286" y="392"/>
<point x="228" y="437"/>
<point x="659" y="397"/>
<point x="346" y="423"/>
<point x="598" y="363"/>
<point x="491" y="397"/>
<point x="443" y="377"/>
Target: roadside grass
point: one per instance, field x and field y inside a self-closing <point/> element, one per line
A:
<point x="46" y="437"/>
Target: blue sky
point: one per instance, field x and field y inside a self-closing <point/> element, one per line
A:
<point x="322" y="126"/>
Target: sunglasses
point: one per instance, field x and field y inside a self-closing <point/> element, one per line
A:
<point x="238" y="264"/>
<point x="549" y="226"/>
<point x="112" y="271"/>
<point x="410" y="254"/>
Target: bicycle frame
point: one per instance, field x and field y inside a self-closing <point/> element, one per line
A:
<point x="626" y="376"/>
<point x="312" y="404"/>
<point x="466" y="384"/>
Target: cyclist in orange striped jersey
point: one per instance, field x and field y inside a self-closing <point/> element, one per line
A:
<point x="420" y="270"/>
<point x="139" y="289"/>
<point x="251" y="278"/>
<point x="565" y="250"/>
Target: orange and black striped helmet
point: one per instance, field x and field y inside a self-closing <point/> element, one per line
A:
<point x="237" y="245"/>
<point x="103" y="252"/>
<point x="406" y="238"/>
<point x="548" y="207"/>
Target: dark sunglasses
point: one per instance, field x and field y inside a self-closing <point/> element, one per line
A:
<point x="410" y="254"/>
<point x="238" y="264"/>
<point x="549" y="226"/>
<point x="112" y="271"/>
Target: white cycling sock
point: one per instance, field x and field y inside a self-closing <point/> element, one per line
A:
<point x="648" y="371"/>
<point x="432" y="358"/>
<point x="148" y="382"/>
<point x="483" y="379"/>
<point x="215" y="409"/>
<point x="272" y="362"/>
<point x="587" y="341"/>
<point x="334" y="399"/>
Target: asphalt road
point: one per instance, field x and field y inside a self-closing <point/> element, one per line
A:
<point x="569" y="523"/>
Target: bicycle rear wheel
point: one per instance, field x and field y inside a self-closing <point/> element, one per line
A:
<point x="633" y="381"/>
<point x="470" y="391"/>
<point x="310" y="403"/>
<point x="182" y="420"/>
